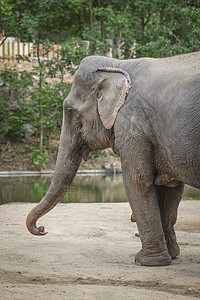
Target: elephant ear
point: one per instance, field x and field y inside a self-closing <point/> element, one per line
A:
<point x="113" y="88"/>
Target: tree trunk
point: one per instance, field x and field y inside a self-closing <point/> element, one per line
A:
<point x="40" y="100"/>
<point x="91" y="16"/>
<point x="102" y="28"/>
<point x="102" y="18"/>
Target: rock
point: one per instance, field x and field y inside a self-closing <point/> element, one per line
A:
<point x="113" y="168"/>
<point x="29" y="130"/>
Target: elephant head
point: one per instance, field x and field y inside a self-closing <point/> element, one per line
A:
<point x="99" y="90"/>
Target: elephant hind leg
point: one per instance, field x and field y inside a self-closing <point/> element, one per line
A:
<point x="169" y="199"/>
<point x="138" y="175"/>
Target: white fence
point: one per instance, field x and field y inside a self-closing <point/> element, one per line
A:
<point x="10" y="50"/>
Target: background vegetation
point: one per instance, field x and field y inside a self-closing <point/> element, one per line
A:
<point x="159" y="28"/>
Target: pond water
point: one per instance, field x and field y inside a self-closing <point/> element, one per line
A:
<point x="84" y="189"/>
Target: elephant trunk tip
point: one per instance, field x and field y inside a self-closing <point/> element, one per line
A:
<point x="37" y="230"/>
<point x="32" y="228"/>
<point x="41" y="230"/>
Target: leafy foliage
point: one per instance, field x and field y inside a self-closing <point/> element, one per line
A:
<point x="96" y="153"/>
<point x="15" y="93"/>
<point x="39" y="156"/>
<point x="160" y="27"/>
<point x="168" y="28"/>
<point x="68" y="57"/>
<point x="27" y="98"/>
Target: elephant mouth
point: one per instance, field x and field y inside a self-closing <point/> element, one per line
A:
<point x="84" y="151"/>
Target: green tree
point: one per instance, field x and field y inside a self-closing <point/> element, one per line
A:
<point x="166" y="28"/>
<point x="42" y="19"/>
<point x="160" y="27"/>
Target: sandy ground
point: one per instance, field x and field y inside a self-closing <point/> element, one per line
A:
<point x="89" y="254"/>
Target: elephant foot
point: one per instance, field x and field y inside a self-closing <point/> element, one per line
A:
<point x="153" y="259"/>
<point x="173" y="249"/>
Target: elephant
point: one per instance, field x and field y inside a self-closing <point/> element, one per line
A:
<point x="148" y="111"/>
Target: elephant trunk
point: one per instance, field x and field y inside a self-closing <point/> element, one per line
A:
<point x="68" y="161"/>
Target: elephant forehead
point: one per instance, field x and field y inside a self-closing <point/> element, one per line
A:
<point x="71" y="100"/>
<point x="81" y="76"/>
<point x="76" y="99"/>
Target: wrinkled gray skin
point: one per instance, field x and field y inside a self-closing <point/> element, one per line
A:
<point x="148" y="111"/>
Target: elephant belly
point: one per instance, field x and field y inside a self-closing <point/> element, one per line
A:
<point x="178" y="166"/>
<point x="181" y="173"/>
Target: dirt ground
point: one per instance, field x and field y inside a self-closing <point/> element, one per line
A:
<point x="89" y="254"/>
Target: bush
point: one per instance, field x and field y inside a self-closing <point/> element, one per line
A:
<point x="94" y="154"/>
<point x="39" y="157"/>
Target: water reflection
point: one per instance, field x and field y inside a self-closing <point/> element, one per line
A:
<point x="191" y="193"/>
<point x="85" y="189"/>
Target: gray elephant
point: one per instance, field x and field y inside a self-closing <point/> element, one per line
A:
<point x="148" y="111"/>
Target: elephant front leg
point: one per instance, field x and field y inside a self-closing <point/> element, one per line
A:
<point x="169" y="199"/>
<point x="142" y="196"/>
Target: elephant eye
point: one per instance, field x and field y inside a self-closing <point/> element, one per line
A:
<point x="73" y="112"/>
